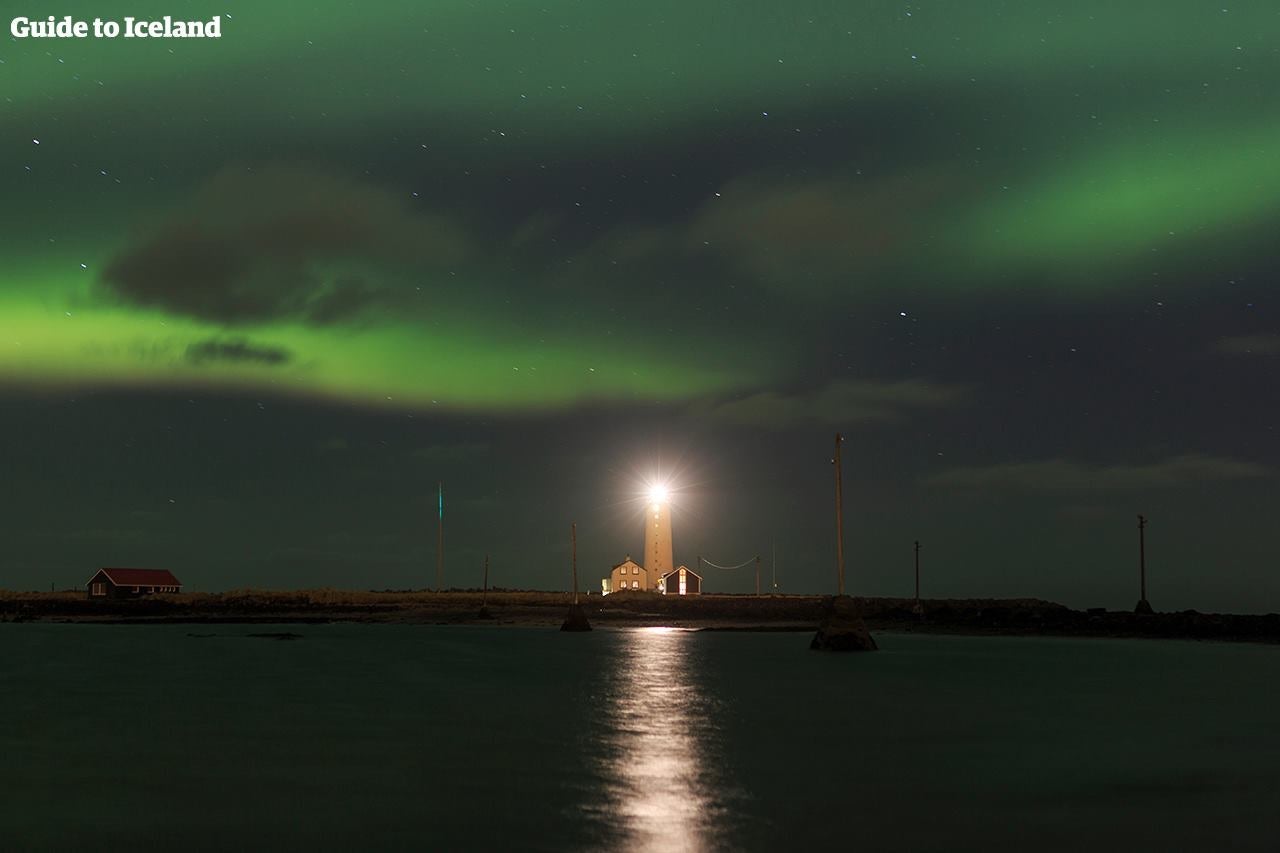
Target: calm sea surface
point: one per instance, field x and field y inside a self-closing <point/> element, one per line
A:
<point x="434" y="738"/>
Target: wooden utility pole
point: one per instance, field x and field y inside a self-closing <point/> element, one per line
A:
<point x="573" y="552"/>
<point x="917" y="572"/>
<point x="839" y="521"/>
<point x="440" y="537"/>
<point x="757" y="575"/>
<point x="577" y="619"/>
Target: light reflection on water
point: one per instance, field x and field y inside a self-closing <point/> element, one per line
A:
<point x="391" y="737"/>
<point x="661" y="789"/>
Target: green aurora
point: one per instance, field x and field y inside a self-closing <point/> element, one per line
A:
<point x="1019" y="153"/>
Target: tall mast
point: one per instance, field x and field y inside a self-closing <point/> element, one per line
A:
<point x="917" y="571"/>
<point x="839" y="520"/>
<point x="1142" y="557"/>
<point x="573" y="550"/>
<point x="440" y="537"/>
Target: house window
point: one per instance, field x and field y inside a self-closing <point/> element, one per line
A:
<point x="99" y="589"/>
<point x="635" y="584"/>
<point x="635" y="570"/>
<point x="135" y="589"/>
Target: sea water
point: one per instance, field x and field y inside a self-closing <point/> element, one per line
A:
<point x="457" y="738"/>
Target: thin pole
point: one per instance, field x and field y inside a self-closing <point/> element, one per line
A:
<point x="839" y="520"/>
<point x="573" y="549"/>
<point x="917" y="571"/>
<point x="1142" y="557"/>
<point x="440" y="538"/>
<point x="775" y="566"/>
<point x="484" y="597"/>
<point x="757" y="574"/>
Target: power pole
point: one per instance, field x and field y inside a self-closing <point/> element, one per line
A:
<point x="577" y="619"/>
<point x="917" y="572"/>
<point x="757" y="575"/>
<point x="839" y="521"/>
<point x="440" y="537"/>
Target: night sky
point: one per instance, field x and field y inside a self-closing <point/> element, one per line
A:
<point x="259" y="294"/>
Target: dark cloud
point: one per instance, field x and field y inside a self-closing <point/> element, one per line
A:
<point x="275" y="243"/>
<point x="837" y="403"/>
<point x="781" y="231"/>
<point x="813" y="236"/>
<point x="236" y="350"/>
<point x="342" y="299"/>
<point x="1063" y="475"/>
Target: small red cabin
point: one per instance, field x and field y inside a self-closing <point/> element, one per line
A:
<point x="132" y="583"/>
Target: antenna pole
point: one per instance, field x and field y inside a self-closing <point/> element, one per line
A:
<point x="917" y="571"/>
<point x="775" y="565"/>
<point x="440" y="538"/>
<point x="757" y="575"/>
<point x="573" y="551"/>
<point x="1142" y="556"/>
<point x="839" y="520"/>
<point x="484" y="597"/>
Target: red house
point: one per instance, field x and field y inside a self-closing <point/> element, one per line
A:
<point x="132" y="583"/>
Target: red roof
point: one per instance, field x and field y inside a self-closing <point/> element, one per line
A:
<point x="140" y="577"/>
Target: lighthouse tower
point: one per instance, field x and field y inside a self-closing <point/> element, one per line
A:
<point x="657" y="537"/>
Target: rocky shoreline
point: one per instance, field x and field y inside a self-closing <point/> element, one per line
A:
<point x="984" y="617"/>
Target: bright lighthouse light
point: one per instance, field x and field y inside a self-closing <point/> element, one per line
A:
<point x="658" y="494"/>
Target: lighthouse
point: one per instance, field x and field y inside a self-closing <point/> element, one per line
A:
<point x="658" y="560"/>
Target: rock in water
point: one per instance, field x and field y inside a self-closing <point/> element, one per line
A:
<point x="842" y="628"/>
<point x="1143" y="606"/>
<point x="576" y="620"/>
